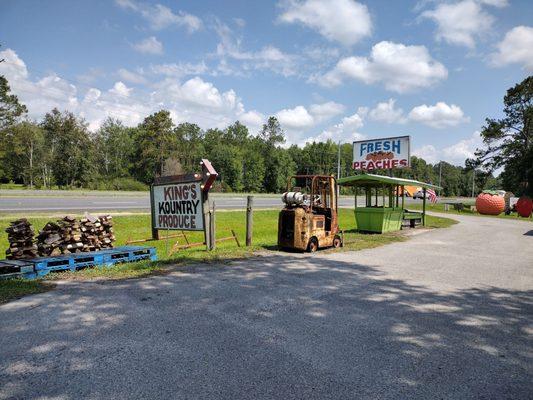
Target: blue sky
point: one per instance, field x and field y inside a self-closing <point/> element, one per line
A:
<point x="338" y="69"/>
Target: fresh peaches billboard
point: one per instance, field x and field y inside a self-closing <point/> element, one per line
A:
<point x="384" y="153"/>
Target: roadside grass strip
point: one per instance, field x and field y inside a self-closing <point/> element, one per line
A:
<point x="131" y="227"/>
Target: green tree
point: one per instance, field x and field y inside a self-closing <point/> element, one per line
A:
<point x="26" y="143"/>
<point x="114" y="149"/>
<point x="190" y="145"/>
<point x="509" y="141"/>
<point x="69" y="155"/>
<point x="156" y="141"/>
<point x="253" y="167"/>
<point x="10" y="107"/>
<point x="278" y="163"/>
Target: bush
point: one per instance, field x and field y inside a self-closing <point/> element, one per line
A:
<point x="127" y="184"/>
<point x="118" y="184"/>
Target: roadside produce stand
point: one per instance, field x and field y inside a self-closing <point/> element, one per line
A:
<point x="389" y="214"/>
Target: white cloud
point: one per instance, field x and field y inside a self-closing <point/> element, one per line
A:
<point x="160" y="16"/>
<point x="149" y="45"/>
<point x="428" y="152"/>
<point x="441" y="115"/>
<point x="324" y="111"/>
<point x="300" y="118"/>
<point x="179" y="70"/>
<point x="130" y="76"/>
<point x="386" y="112"/>
<point x="267" y="58"/>
<point x="495" y="3"/>
<point x="296" y="118"/>
<point x="455" y="154"/>
<point x="120" y="89"/>
<point x="515" y="48"/>
<point x="41" y="95"/>
<point x="254" y="120"/>
<point x="398" y="67"/>
<point x="194" y="100"/>
<point x="460" y="23"/>
<point x="345" y="21"/>
<point x="345" y="131"/>
<point x="460" y="151"/>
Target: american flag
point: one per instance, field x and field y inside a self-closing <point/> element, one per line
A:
<point x="432" y="195"/>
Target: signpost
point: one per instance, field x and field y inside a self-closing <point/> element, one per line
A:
<point x="386" y="153"/>
<point x="181" y="202"/>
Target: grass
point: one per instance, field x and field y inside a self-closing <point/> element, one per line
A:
<point x="439" y="207"/>
<point x="16" y="288"/>
<point x="137" y="226"/>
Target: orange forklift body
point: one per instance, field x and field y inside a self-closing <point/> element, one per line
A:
<point x="311" y="225"/>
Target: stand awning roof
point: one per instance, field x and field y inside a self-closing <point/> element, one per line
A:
<point x="379" y="180"/>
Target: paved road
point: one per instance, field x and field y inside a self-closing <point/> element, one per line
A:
<point x="133" y="202"/>
<point x="446" y="315"/>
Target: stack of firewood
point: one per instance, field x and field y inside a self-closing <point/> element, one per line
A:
<point x="50" y="239"/>
<point x="106" y="235"/>
<point x="71" y="235"/>
<point x="67" y="235"/>
<point x="90" y="232"/>
<point x="21" y="241"/>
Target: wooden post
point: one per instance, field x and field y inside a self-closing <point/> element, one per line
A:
<point x="249" y="220"/>
<point x="155" y="232"/>
<point x="213" y="228"/>
<point x="403" y="198"/>
<point x="424" y="207"/>
<point x="207" y="220"/>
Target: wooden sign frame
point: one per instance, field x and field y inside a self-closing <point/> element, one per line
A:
<point x="205" y="180"/>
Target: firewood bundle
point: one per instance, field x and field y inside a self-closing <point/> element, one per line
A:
<point x="61" y="237"/>
<point x="71" y="235"/>
<point x="49" y="240"/>
<point x="106" y="236"/>
<point x="91" y="228"/>
<point x="20" y="235"/>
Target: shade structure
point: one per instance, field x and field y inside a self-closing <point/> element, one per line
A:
<point x="382" y="218"/>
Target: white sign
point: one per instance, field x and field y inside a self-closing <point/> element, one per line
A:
<point x="178" y="206"/>
<point x="384" y="153"/>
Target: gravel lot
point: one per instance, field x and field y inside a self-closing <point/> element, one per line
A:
<point x="445" y="315"/>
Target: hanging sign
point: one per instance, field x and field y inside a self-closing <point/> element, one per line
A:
<point x="387" y="153"/>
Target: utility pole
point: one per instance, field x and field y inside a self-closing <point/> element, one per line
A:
<point x="440" y="177"/>
<point x="339" y="160"/>
<point x="473" y="180"/>
<point x="338" y="167"/>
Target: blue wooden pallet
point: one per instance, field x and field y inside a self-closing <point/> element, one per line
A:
<point x="17" y="269"/>
<point x="71" y="262"/>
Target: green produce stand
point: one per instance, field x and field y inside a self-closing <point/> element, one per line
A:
<point x="388" y="214"/>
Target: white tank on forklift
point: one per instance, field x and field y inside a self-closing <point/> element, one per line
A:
<point x="294" y="198"/>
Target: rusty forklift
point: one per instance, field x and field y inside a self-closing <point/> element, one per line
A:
<point x="309" y="219"/>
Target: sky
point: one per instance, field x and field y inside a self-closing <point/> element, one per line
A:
<point x="339" y="69"/>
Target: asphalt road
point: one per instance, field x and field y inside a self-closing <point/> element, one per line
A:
<point x="446" y="315"/>
<point x="32" y="202"/>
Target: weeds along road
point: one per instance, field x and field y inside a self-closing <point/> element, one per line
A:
<point x="15" y="201"/>
<point x="445" y="315"/>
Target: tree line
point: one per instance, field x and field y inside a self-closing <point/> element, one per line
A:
<point x="60" y="151"/>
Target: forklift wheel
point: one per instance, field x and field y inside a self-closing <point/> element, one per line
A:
<point x="337" y="242"/>
<point x="313" y="245"/>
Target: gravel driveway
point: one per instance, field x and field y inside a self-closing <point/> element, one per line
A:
<point x="446" y="315"/>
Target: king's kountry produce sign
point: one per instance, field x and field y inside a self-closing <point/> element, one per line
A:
<point x="384" y="153"/>
<point x="178" y="206"/>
